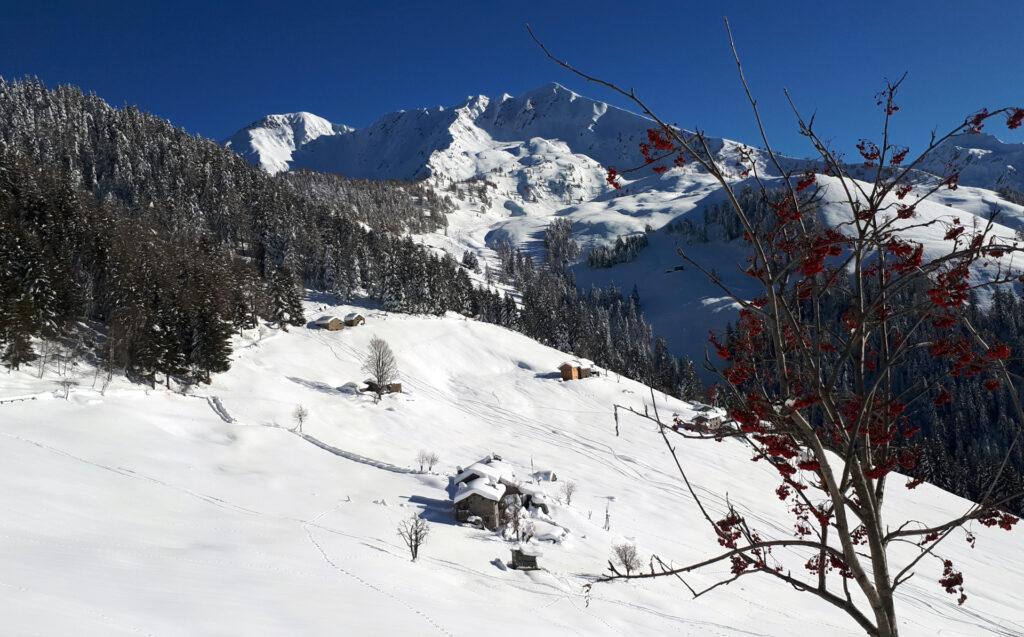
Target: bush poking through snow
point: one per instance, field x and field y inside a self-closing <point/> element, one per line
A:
<point x="568" y="489"/>
<point x="427" y="459"/>
<point x="299" y="416"/>
<point x="414" y="533"/>
<point x="66" y="385"/>
<point x="627" y="557"/>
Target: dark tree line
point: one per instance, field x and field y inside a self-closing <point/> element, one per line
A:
<point x="169" y="242"/>
<point x="718" y="221"/>
<point x="967" y="433"/>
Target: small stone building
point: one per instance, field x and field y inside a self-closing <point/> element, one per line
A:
<point x="524" y="557"/>
<point x="329" y="322"/>
<point x="480" y="498"/>
<point x="354" y="318"/>
<point x="480" y="487"/>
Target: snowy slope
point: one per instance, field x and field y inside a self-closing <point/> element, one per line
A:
<point x="144" y="512"/>
<point x="668" y="296"/>
<point x="271" y="141"/>
<point x="984" y="161"/>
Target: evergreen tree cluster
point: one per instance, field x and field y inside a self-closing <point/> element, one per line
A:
<point x="967" y="438"/>
<point x="718" y="221"/>
<point x="561" y="249"/>
<point x="1011" y="195"/>
<point x="392" y="206"/>
<point x="170" y="301"/>
<point x="626" y="249"/>
<point x="171" y="242"/>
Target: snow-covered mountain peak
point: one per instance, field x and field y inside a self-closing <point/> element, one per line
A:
<point x="983" y="160"/>
<point x="271" y="141"/>
<point x="400" y="145"/>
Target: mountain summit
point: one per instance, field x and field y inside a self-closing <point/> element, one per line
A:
<point x="271" y="141"/>
<point x="984" y="161"/>
<point x="449" y="144"/>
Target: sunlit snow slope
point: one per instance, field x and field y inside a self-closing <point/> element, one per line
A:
<point x="149" y="513"/>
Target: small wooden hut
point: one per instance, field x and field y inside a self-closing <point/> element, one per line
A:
<point x="332" y="323"/>
<point x="390" y="388"/>
<point x="574" y="370"/>
<point x="354" y="318"/>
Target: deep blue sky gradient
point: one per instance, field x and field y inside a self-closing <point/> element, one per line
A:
<point x="214" y="66"/>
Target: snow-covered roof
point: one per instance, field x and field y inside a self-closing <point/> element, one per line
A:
<point x="353" y="315"/>
<point x="528" y="548"/>
<point x="327" y="318"/>
<point x="489" y="467"/>
<point x="484" y="487"/>
<point x="708" y="416"/>
<point x="708" y="410"/>
<point x="534" y="490"/>
<point x="578" y="362"/>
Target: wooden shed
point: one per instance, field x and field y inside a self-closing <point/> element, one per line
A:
<point x="390" y="388"/>
<point x="354" y="318"/>
<point x="332" y="323"/>
<point x="574" y="370"/>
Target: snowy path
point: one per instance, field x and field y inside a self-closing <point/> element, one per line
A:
<point x="218" y="408"/>
<point x="355" y="457"/>
<point x="20" y="399"/>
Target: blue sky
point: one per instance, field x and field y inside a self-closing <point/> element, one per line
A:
<point x="214" y="66"/>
